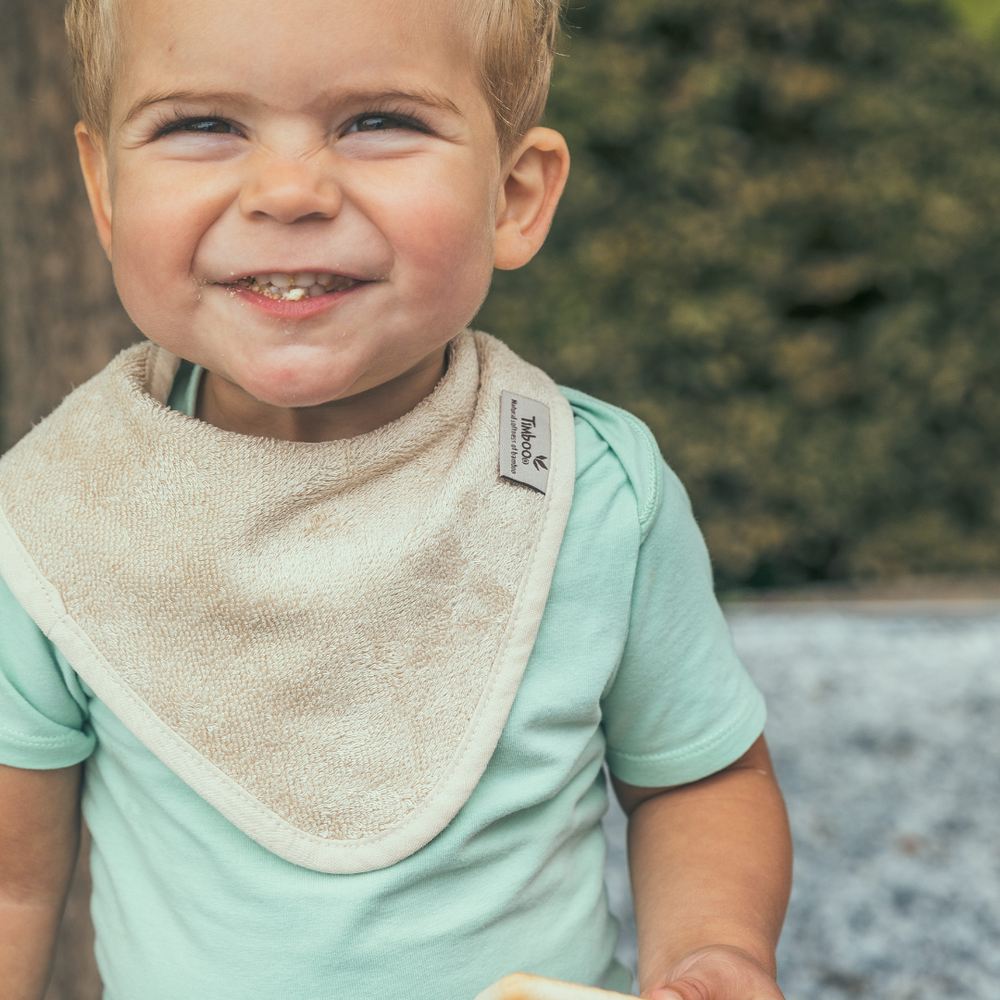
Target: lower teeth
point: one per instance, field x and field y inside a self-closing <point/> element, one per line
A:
<point x="295" y="293"/>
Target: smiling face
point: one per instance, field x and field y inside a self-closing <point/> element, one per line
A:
<point x="343" y="147"/>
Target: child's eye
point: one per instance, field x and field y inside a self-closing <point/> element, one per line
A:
<point x="199" y="126"/>
<point x="213" y="126"/>
<point x="381" y="123"/>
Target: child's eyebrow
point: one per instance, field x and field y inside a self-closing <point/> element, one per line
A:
<point x="424" y="98"/>
<point x="180" y="96"/>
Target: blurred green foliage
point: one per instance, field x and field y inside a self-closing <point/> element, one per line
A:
<point x="779" y="247"/>
<point x="980" y="17"/>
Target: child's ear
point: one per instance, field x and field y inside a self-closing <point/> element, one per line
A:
<point x="94" y="164"/>
<point x="528" y="197"/>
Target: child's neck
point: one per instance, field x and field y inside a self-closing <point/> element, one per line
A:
<point x="231" y="408"/>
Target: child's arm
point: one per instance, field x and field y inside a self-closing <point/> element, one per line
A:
<point x="710" y="864"/>
<point x="39" y="833"/>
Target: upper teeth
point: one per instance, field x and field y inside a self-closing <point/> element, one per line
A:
<point x="296" y="286"/>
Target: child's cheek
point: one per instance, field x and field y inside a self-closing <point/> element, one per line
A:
<point x="447" y="241"/>
<point x="157" y="222"/>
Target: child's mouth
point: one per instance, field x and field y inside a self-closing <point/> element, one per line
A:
<point x="294" y="287"/>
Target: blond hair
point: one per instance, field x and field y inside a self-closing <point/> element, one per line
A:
<point x="515" y="43"/>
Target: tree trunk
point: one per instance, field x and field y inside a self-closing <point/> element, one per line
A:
<point x="61" y="320"/>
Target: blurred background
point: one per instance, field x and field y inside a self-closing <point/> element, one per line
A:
<point x="780" y="247"/>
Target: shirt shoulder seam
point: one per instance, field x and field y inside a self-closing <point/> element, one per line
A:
<point x="650" y="499"/>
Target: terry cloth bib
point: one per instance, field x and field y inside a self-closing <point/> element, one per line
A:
<point x="323" y="640"/>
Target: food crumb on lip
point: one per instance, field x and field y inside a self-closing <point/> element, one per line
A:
<point x="294" y="287"/>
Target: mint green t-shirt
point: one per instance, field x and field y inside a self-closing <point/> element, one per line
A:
<point x="633" y="664"/>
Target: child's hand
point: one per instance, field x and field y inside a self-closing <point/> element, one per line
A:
<point x="710" y="864"/>
<point x="716" y="973"/>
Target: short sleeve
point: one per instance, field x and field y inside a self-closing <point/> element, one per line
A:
<point x="44" y="718"/>
<point x="680" y="706"/>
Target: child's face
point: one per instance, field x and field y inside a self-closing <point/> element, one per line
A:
<point x="331" y="137"/>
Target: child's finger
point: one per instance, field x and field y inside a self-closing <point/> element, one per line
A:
<point x="521" y="986"/>
<point x="695" y="988"/>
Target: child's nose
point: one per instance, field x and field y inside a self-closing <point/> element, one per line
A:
<point x="289" y="190"/>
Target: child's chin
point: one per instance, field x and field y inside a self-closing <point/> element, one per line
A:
<point x="293" y="388"/>
<point x="292" y="396"/>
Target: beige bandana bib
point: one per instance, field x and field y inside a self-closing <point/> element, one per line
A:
<point x="323" y="640"/>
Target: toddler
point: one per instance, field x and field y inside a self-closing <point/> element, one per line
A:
<point x="329" y="611"/>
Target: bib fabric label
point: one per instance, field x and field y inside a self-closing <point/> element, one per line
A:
<point x="524" y="440"/>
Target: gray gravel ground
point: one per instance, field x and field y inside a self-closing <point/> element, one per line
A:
<point x="885" y="730"/>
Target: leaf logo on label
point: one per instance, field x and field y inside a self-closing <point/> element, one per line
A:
<point x="525" y="440"/>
